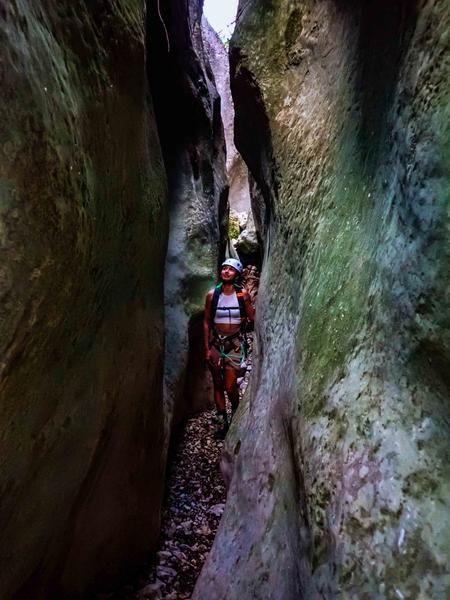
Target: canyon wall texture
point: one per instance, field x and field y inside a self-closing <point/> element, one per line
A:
<point x="239" y="195"/>
<point x="82" y="241"/>
<point x="187" y="106"/>
<point x="341" y="482"/>
<point x="246" y="244"/>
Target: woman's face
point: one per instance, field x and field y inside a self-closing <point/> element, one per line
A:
<point x="228" y="273"/>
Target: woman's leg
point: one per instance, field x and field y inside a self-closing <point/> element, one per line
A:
<point x="217" y="376"/>
<point x="219" y="395"/>
<point x="231" y="385"/>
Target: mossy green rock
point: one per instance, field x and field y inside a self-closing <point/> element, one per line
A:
<point x="234" y="228"/>
<point x="341" y="483"/>
<point x="82" y="242"/>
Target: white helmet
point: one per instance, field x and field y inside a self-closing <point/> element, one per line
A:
<point x="233" y="262"/>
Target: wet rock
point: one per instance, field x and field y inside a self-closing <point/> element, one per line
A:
<point x="179" y="556"/>
<point x="186" y="526"/>
<point x="203" y="530"/>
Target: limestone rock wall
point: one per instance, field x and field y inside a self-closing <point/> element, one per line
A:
<point x="189" y="120"/>
<point x="82" y="242"/>
<point x="220" y="66"/>
<point x="341" y="476"/>
<point x="247" y="243"/>
<point x="237" y="172"/>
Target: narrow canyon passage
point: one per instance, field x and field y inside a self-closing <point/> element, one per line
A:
<point x="137" y="152"/>
<point x="194" y="502"/>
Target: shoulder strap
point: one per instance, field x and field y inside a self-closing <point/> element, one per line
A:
<point x="215" y="301"/>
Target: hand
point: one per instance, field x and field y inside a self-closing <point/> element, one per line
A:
<point x="208" y="355"/>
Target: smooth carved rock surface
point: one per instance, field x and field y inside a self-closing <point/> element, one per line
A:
<point x="220" y="66"/>
<point x="187" y="106"/>
<point x="248" y="245"/>
<point x="237" y="172"/>
<point x="82" y="241"/>
<point x="341" y="483"/>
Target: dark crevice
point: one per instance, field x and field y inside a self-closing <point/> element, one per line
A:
<point x="253" y="139"/>
<point x="385" y="31"/>
<point x="178" y="86"/>
<point x="188" y="114"/>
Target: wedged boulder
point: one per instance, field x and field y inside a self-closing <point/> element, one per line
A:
<point x="247" y="243"/>
<point x="340" y="472"/>
<point x="187" y="107"/>
<point x="82" y="241"/>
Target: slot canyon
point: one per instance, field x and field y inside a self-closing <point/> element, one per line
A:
<point x="137" y="152"/>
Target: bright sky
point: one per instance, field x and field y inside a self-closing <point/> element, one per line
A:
<point x="221" y="15"/>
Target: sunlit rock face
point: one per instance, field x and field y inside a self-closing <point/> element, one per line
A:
<point x="340" y="484"/>
<point x="220" y="66"/>
<point x="82" y="240"/>
<point x="239" y="196"/>
<point x="187" y="106"/>
<point x="248" y="245"/>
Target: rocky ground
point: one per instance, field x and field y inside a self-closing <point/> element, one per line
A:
<point x="193" y="507"/>
<point x="194" y="504"/>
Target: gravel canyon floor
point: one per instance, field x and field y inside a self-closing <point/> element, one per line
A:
<point x="194" y="504"/>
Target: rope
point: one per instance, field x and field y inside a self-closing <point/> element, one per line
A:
<point x="164" y="25"/>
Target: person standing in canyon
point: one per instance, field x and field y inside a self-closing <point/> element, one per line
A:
<point x="228" y="310"/>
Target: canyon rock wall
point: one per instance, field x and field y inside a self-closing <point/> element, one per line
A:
<point x="82" y="240"/>
<point x="220" y="66"/>
<point x="341" y="483"/>
<point x="187" y="106"/>
<point x="239" y="195"/>
<point x="237" y="172"/>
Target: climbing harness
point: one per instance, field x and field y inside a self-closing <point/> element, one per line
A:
<point x="232" y="350"/>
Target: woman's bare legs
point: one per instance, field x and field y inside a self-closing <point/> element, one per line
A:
<point x="231" y="385"/>
<point x="219" y="396"/>
<point x="224" y="380"/>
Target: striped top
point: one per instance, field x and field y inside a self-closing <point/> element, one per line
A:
<point x="228" y="311"/>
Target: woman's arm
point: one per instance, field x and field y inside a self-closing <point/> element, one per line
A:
<point x="249" y="310"/>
